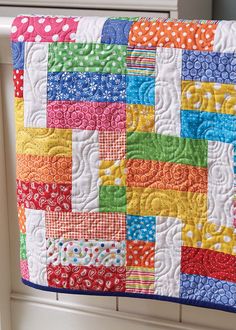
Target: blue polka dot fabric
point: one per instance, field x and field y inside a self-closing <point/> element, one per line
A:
<point x="140" y="228"/>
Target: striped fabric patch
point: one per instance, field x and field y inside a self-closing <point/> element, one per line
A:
<point x="140" y="280"/>
<point x="141" y="61"/>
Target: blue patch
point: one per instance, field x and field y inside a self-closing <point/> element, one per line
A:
<point x="116" y="32"/>
<point x="207" y="289"/>
<point x="18" y="51"/>
<point x="94" y="87"/>
<point x="140" y="90"/>
<point x="208" y="125"/>
<point x="209" y="66"/>
<point x="140" y="228"/>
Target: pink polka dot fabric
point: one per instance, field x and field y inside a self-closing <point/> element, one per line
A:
<point x="44" y="29"/>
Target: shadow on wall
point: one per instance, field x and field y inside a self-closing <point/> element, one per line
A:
<point x="224" y="9"/>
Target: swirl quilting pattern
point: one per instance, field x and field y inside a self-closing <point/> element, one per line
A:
<point x="84" y="57"/>
<point x="87" y="86"/>
<point x="211" y="97"/>
<point x="100" y="116"/>
<point x="87" y="279"/>
<point x="18" y="55"/>
<point x="126" y="146"/>
<point x="208" y="263"/>
<point x="141" y="228"/>
<point x="82" y="253"/>
<point x="209" y="66"/>
<point x="44" y="196"/>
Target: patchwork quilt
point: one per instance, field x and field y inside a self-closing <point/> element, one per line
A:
<point x="126" y="136"/>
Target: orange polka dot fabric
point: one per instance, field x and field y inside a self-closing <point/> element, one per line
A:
<point x="184" y="35"/>
<point x="140" y="254"/>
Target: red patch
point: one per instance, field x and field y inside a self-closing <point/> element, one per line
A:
<point x="44" y="196"/>
<point x="87" y="278"/>
<point x="209" y="263"/>
<point x="18" y="76"/>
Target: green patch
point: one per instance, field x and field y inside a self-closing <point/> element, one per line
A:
<point x="112" y="199"/>
<point x="152" y="146"/>
<point x="87" y="57"/>
<point x="132" y="19"/>
<point x="23" y="255"/>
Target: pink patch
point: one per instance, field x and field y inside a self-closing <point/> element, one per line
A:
<point x="24" y="269"/>
<point x="101" y="116"/>
<point x="44" y="196"/>
<point x="18" y="76"/>
<point x="44" y="29"/>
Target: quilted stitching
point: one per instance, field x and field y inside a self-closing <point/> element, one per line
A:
<point x="126" y="136"/>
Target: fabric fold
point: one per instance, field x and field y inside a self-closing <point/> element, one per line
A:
<point x="126" y="139"/>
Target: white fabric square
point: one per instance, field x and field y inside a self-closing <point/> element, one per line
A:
<point x="35" y="84"/>
<point x="220" y="183"/>
<point x="168" y="91"/>
<point x="85" y="171"/>
<point x="36" y="246"/>
<point x="225" y="36"/>
<point x="168" y="256"/>
<point x="90" y="29"/>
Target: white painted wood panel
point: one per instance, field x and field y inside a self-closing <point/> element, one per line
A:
<point x="188" y="9"/>
<point x="13" y="11"/>
<point x="5" y="287"/>
<point x="108" y="303"/>
<point x="37" y="313"/>
<point x="209" y="317"/>
<point x="153" y="5"/>
<point x="159" y="309"/>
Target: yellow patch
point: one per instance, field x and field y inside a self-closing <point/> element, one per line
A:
<point x="40" y="141"/>
<point x="187" y="206"/>
<point x="112" y="172"/>
<point x="19" y="113"/>
<point x="44" y="141"/>
<point x="140" y="118"/>
<point x="210" y="97"/>
<point x="209" y="236"/>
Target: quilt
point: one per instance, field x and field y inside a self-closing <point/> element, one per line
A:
<point x="125" y="157"/>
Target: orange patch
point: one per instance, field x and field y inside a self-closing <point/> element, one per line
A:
<point x="184" y="35"/>
<point x="21" y="218"/>
<point x="140" y="254"/>
<point x="161" y="175"/>
<point x="45" y="169"/>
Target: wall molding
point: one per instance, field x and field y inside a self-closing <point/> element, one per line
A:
<point x="66" y="307"/>
<point x="154" y="5"/>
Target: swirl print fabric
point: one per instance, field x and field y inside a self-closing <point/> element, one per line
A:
<point x="126" y="137"/>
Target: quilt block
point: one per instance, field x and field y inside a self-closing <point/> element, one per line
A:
<point x="126" y="137"/>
